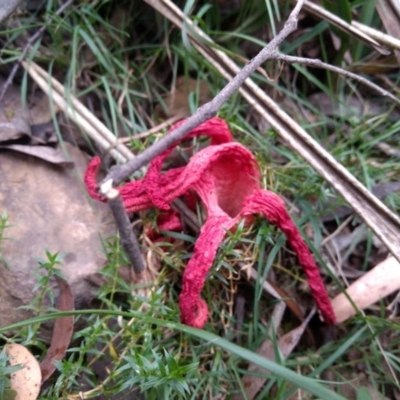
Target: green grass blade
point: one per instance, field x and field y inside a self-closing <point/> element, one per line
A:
<point x="303" y="382"/>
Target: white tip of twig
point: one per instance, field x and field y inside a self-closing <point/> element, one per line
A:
<point x="108" y="190"/>
<point x="375" y="285"/>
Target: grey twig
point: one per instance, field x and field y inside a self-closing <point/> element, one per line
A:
<point x="28" y="45"/>
<point x="320" y="64"/>
<point x="208" y="110"/>
<point x="187" y="214"/>
<point x="128" y="238"/>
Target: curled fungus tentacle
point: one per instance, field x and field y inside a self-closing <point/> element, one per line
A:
<point x="226" y="177"/>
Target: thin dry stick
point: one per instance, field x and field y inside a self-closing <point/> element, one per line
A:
<point x="190" y="218"/>
<point x="128" y="238"/>
<point x="382" y="37"/>
<point x="396" y="6"/>
<point x="151" y="131"/>
<point x="209" y="109"/>
<point x="28" y="45"/>
<point x="345" y="26"/>
<point x="320" y="64"/>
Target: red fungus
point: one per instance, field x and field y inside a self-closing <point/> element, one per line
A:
<point x="226" y="177"/>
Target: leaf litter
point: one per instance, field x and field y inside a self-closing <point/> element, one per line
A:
<point x="62" y="331"/>
<point x="272" y="348"/>
<point x="29" y="131"/>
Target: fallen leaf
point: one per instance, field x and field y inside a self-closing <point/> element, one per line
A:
<point x="23" y="129"/>
<point x="62" y="332"/>
<point x="46" y="153"/>
<point x="290" y="303"/>
<point x="27" y="381"/>
<point x="177" y="102"/>
<point x="286" y="344"/>
<point x="44" y="134"/>
<point x="41" y="112"/>
<point x="14" y="122"/>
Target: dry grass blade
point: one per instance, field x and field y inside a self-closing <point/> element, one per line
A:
<point x="381" y="37"/>
<point x="384" y="223"/>
<point x="319" y="64"/>
<point x="78" y="113"/>
<point x="275" y="291"/>
<point x="157" y="129"/>
<point x="352" y="30"/>
<point x="286" y="345"/>
<point x="396" y="6"/>
<point x="362" y="32"/>
<point x="390" y="21"/>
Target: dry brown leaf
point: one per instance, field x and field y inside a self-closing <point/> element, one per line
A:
<point x="381" y="190"/>
<point x="27" y="381"/>
<point x="177" y="102"/>
<point x="286" y="344"/>
<point x="290" y="303"/>
<point x="13" y="118"/>
<point x="22" y="129"/>
<point x="62" y="332"/>
<point x="42" y="111"/>
<point x="18" y="121"/>
<point x="46" y="153"/>
<point x="78" y="113"/>
<point x="44" y="133"/>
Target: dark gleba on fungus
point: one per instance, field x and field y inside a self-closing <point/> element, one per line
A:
<point x="225" y="175"/>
